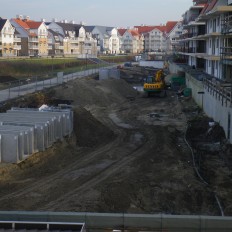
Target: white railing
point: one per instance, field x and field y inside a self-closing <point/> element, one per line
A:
<point x="17" y="40"/>
<point x="17" y="47"/>
<point x="33" y="47"/>
<point x="220" y="91"/>
<point x="33" y="40"/>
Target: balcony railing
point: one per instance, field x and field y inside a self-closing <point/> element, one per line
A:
<point x="49" y="41"/>
<point x="33" y="40"/>
<point x="17" y="47"/>
<point x="34" y="47"/>
<point x="50" y="47"/>
<point x="73" y="41"/>
<point x="17" y="40"/>
<point x="74" y="47"/>
<point x="226" y="52"/>
<point x="59" y="46"/>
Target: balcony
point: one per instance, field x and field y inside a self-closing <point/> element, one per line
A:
<point x="57" y="46"/>
<point x="33" y="40"/>
<point x="17" y="40"/>
<point x="73" y="41"/>
<point x="17" y="47"/>
<point x="34" y="47"/>
<point x="74" y="47"/>
<point x="226" y="53"/>
<point x="49" y="41"/>
<point x="49" y="47"/>
<point x="0" y="47"/>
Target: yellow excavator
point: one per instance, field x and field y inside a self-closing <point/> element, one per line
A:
<point x="155" y="85"/>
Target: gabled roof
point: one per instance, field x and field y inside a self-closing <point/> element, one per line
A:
<point x="89" y="28"/>
<point x="170" y="25"/>
<point x="2" y="23"/>
<point x="121" y="31"/>
<point x="33" y="24"/>
<point x="145" y="29"/>
<point x="134" y="32"/>
<point x="211" y="5"/>
<point x="28" y="24"/>
<point x="70" y="27"/>
<point x="104" y="29"/>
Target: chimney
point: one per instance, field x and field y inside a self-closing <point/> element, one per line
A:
<point x="43" y="20"/>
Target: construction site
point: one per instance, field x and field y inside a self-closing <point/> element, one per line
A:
<point x="127" y="153"/>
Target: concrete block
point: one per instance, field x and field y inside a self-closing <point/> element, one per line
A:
<point x="28" y="136"/>
<point x="9" y="148"/>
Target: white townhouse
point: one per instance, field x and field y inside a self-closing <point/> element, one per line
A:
<point x="8" y="39"/>
<point x="107" y="39"/>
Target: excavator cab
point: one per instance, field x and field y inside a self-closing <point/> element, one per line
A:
<point x="155" y="85"/>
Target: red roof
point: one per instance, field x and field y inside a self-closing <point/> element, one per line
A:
<point x="134" y="32"/>
<point x="33" y="24"/>
<point x="22" y="23"/>
<point x="144" y="29"/>
<point x="211" y="5"/>
<point x="28" y="24"/>
<point x="121" y="31"/>
<point x="170" y="25"/>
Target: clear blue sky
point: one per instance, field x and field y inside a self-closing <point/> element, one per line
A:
<point x="117" y="13"/>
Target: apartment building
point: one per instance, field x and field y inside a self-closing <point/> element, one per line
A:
<point x="9" y="40"/>
<point x="72" y="39"/>
<point x="35" y="34"/>
<point x="161" y="38"/>
<point x="207" y="40"/>
<point x="131" y="41"/>
<point x="193" y="40"/>
<point x="106" y="37"/>
<point x="173" y="31"/>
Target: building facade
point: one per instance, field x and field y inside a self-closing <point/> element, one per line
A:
<point x="9" y="40"/>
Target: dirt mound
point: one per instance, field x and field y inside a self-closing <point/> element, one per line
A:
<point x="5" y="79"/>
<point x="88" y="130"/>
<point x="201" y="130"/>
<point x="92" y="92"/>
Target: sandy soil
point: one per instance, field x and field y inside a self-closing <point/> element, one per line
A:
<point x="127" y="154"/>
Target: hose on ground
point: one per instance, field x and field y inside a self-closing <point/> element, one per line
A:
<point x="199" y="175"/>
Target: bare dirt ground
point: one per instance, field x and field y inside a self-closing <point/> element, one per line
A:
<point x="127" y="154"/>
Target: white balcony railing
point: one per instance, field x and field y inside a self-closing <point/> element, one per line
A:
<point x="57" y="46"/>
<point x="34" y="47"/>
<point x="49" y="47"/>
<point x="74" y="46"/>
<point x="49" y="41"/>
<point x="17" y="47"/>
<point x="33" y="40"/>
<point x="17" y="40"/>
<point x="73" y="41"/>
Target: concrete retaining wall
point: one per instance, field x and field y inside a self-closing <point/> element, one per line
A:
<point x="212" y="105"/>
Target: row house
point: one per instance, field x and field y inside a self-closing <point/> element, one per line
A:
<point x="107" y="38"/>
<point x="35" y="34"/>
<point x="131" y="41"/>
<point x="9" y="40"/>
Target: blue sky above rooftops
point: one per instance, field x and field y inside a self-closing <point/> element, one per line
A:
<point x="117" y="13"/>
